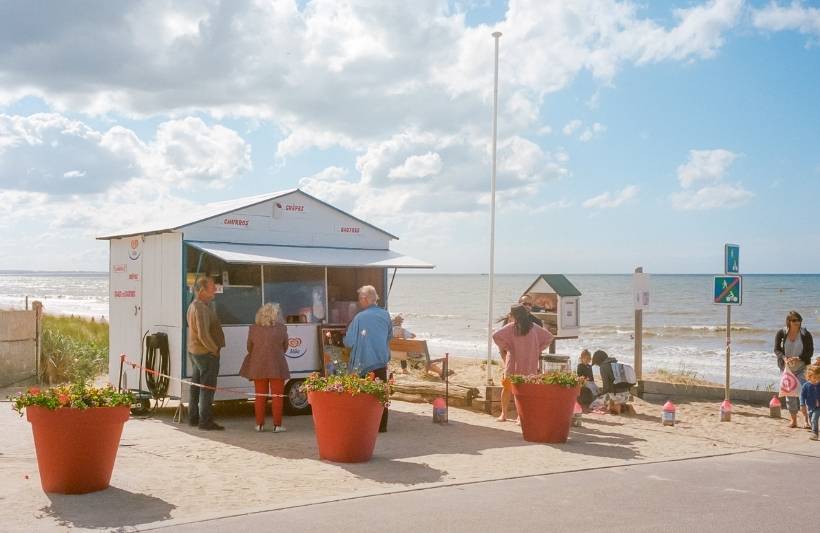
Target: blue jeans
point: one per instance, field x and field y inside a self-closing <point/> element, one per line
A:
<point x="793" y="402"/>
<point x="205" y="372"/>
<point x="814" y="416"/>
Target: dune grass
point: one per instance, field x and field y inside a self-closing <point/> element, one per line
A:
<point x="682" y="376"/>
<point x="74" y="349"/>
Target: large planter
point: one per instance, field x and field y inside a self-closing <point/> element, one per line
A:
<point x="346" y="425"/>
<point x="76" y="448"/>
<point x="545" y="411"/>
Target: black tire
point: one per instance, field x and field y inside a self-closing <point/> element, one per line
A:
<point x="295" y="400"/>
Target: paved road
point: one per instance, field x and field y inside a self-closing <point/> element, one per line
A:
<point x="742" y="493"/>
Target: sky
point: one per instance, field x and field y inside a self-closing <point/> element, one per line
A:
<point x="630" y="133"/>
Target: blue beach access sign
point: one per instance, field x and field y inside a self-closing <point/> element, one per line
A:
<point x="732" y="259"/>
<point x="728" y="290"/>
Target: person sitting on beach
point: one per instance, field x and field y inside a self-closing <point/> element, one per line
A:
<point x="810" y="398"/>
<point x="520" y="343"/>
<point x="615" y="395"/>
<point x="400" y="332"/>
<point x="590" y="390"/>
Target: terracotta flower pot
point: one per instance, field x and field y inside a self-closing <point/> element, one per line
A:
<point x="346" y="425"/>
<point x="545" y="411"/>
<point x="76" y="448"/>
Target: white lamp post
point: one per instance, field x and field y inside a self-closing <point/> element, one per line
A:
<point x="496" y="36"/>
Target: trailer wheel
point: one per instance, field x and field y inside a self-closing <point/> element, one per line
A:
<point x="296" y="400"/>
<point x="140" y="407"/>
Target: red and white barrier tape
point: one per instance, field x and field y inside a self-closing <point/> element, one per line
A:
<point x="232" y="390"/>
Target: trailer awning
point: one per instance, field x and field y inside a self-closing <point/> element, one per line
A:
<point x="308" y="256"/>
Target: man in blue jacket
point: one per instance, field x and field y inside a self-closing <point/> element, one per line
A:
<point x="368" y="336"/>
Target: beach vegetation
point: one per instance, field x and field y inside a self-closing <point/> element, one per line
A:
<point x="683" y="376"/>
<point x="74" y="349"/>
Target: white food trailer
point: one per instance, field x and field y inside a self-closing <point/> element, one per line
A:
<point x="286" y="247"/>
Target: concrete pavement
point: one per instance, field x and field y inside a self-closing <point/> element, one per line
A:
<point x="741" y="492"/>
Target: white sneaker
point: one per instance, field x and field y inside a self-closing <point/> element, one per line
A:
<point x="260" y="428"/>
<point x="279" y="429"/>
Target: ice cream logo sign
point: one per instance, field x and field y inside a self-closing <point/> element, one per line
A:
<point x="296" y="348"/>
<point x="134" y="249"/>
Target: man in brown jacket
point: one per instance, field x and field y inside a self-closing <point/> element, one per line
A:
<point x="205" y="339"/>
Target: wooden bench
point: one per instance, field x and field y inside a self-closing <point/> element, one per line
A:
<point x="405" y="347"/>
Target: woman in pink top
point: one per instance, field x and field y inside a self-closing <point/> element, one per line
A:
<point x="266" y="365"/>
<point x="521" y="343"/>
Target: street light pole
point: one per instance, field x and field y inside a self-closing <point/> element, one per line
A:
<point x="496" y="36"/>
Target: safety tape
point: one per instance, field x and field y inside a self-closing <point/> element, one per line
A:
<point x="232" y="390"/>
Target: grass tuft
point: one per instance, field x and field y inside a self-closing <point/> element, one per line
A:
<point x="74" y="349"/>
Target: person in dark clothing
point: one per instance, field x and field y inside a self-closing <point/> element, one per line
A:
<point x="794" y="347"/>
<point x="616" y="395"/>
<point x="584" y="369"/>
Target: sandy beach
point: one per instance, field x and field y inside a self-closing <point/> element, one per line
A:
<point x="170" y="473"/>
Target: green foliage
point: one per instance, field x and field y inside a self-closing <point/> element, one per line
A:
<point x="564" y="379"/>
<point x="74" y="349"/>
<point x="349" y="384"/>
<point x="75" y="396"/>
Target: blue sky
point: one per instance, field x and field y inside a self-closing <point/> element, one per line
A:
<point x="630" y="133"/>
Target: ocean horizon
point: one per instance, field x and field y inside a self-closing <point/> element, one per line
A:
<point x="683" y="330"/>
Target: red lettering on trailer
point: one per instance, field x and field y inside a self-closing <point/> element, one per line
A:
<point x="235" y="222"/>
<point x="348" y="229"/>
<point x="125" y="294"/>
<point x="294" y="207"/>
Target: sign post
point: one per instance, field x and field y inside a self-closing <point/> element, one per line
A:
<point x="641" y="301"/>
<point x="728" y="291"/>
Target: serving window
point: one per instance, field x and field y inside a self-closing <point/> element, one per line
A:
<point x="299" y="291"/>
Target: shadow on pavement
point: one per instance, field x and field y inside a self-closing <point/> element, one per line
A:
<point x="111" y="508"/>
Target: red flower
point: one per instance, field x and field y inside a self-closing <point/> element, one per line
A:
<point x="34" y="390"/>
<point x="371" y="376"/>
<point x="64" y="399"/>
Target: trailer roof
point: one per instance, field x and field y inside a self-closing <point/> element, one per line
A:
<point x="180" y="220"/>
<point x="307" y="256"/>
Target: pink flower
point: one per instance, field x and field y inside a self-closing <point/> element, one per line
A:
<point x="34" y="390"/>
<point x="64" y="399"/>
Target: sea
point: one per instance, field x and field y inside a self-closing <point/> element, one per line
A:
<point x="683" y="330"/>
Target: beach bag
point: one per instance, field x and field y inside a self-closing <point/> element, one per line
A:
<point x="624" y="374"/>
<point x="789" y="385"/>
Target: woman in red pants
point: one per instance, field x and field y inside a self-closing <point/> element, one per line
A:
<point x="266" y="365"/>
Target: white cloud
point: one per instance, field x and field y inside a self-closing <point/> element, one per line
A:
<point x="608" y="201"/>
<point x="48" y="152"/>
<point x="721" y="196"/>
<point x="417" y="166"/>
<point x="708" y="166"/>
<point x="592" y="132"/>
<point x="571" y="127"/>
<point x="705" y="165"/>
<point x="795" y="16"/>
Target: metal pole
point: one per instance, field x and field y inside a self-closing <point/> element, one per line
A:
<point x="638" y="337"/>
<point x="496" y="36"/>
<point x="728" y="346"/>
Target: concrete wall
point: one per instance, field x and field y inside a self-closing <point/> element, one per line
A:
<point x="657" y="391"/>
<point x="18" y="346"/>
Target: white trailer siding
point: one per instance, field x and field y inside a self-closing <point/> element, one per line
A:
<point x="125" y="306"/>
<point x="293" y="220"/>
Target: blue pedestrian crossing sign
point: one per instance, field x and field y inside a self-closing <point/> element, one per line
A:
<point x="728" y="290"/>
<point x="732" y="259"/>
